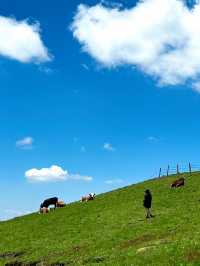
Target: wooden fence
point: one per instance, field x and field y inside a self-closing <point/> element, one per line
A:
<point x="177" y="169"/>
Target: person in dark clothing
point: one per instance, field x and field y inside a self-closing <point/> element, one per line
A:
<point x="147" y="203"/>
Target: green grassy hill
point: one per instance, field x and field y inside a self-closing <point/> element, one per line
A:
<point x="111" y="230"/>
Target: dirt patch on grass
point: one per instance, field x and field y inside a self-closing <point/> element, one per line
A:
<point x="69" y="262"/>
<point x="137" y="241"/>
<point x="14" y="263"/>
<point x="59" y="264"/>
<point x="36" y="263"/>
<point x="140" y="250"/>
<point x="8" y="255"/>
<point x="192" y="256"/>
<point x="144" y="240"/>
<point x="98" y="259"/>
<point x="19" y="263"/>
<point x="77" y="248"/>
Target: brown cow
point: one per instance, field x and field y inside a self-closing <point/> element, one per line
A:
<point x="178" y="183"/>
<point x="91" y="196"/>
<point x="60" y="204"/>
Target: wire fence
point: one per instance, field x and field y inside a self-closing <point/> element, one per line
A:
<point x="178" y="169"/>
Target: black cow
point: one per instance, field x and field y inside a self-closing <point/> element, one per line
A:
<point x="51" y="201"/>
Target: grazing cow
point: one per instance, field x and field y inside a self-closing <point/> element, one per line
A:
<point x="44" y="210"/>
<point x="178" y="183"/>
<point x="46" y="203"/>
<point x="60" y="204"/>
<point x="91" y="196"/>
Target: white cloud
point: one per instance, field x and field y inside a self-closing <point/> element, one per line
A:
<point x="114" y="181"/>
<point x="108" y="146"/>
<point x="46" y="70"/>
<point x="196" y="86"/>
<point x="25" y="143"/>
<point x="80" y="177"/>
<point x="53" y="174"/>
<point x="21" y="40"/>
<point x="159" y="37"/>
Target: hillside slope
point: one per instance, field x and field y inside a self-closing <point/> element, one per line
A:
<point x="111" y="230"/>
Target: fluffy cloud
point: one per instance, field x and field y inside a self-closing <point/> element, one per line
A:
<point x="108" y="147"/>
<point x="196" y="86"/>
<point x="21" y="40"/>
<point x="25" y="143"/>
<point x="53" y="173"/>
<point x="159" y="37"/>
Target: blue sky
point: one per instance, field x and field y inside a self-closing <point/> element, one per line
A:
<point x="82" y="106"/>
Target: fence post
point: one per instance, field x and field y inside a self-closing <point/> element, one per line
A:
<point x="168" y="170"/>
<point x="177" y="169"/>
<point x="190" y="168"/>
<point x="160" y="172"/>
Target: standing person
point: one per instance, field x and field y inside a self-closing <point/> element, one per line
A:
<point x="147" y="203"/>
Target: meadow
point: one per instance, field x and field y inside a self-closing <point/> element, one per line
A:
<point x="112" y="229"/>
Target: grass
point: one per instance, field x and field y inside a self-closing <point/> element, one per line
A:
<point x="111" y="230"/>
